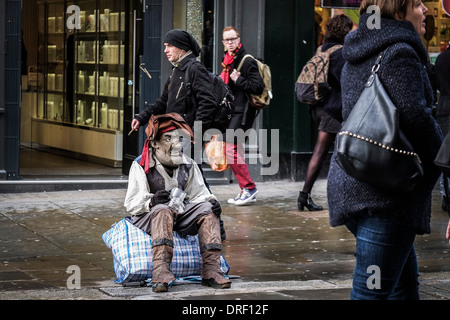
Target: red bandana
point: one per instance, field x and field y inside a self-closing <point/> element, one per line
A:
<point x="145" y="156"/>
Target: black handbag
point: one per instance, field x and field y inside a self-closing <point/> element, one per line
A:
<point x="442" y="159"/>
<point x="371" y="146"/>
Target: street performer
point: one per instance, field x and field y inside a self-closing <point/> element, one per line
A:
<point x="163" y="167"/>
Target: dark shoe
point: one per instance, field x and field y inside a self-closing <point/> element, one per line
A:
<point x="160" y="287"/>
<point x="304" y="200"/>
<point x="214" y="284"/>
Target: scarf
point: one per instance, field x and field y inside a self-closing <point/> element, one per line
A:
<point x="176" y="63"/>
<point x="226" y="64"/>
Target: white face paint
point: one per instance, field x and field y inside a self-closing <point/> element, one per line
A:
<point x="168" y="149"/>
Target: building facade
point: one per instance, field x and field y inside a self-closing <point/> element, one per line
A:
<point x="74" y="73"/>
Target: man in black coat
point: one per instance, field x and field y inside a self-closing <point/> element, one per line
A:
<point x="242" y="82"/>
<point x="181" y="49"/>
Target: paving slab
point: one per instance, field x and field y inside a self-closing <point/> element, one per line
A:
<point x="275" y="252"/>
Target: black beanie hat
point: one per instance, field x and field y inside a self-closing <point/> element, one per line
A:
<point x="183" y="40"/>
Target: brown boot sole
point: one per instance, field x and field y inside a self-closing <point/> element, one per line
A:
<point x="214" y="284"/>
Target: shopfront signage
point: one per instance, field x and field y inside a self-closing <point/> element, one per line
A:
<point x="347" y="4"/>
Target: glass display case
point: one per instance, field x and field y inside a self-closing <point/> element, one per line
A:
<point x="99" y="66"/>
<point x="84" y="75"/>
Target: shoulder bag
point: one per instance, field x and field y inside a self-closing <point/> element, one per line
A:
<point x="371" y="146"/>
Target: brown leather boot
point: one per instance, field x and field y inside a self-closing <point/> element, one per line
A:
<point x="162" y="241"/>
<point x="212" y="276"/>
<point x="161" y="275"/>
<point x="210" y="248"/>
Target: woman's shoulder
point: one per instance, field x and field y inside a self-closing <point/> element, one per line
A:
<point x="404" y="53"/>
<point x="401" y="47"/>
<point x="400" y="57"/>
<point x="337" y="55"/>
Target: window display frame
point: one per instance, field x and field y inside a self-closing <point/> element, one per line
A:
<point x="85" y="114"/>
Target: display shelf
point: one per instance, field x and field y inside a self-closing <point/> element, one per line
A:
<point x="84" y="76"/>
<point x="99" y="72"/>
<point x="83" y="73"/>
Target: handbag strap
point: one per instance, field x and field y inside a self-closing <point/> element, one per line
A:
<point x="375" y="68"/>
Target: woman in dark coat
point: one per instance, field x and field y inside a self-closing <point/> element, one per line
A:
<point x="385" y="223"/>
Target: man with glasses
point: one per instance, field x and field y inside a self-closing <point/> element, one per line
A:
<point x="242" y="83"/>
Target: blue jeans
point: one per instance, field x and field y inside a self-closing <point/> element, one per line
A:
<point x="386" y="263"/>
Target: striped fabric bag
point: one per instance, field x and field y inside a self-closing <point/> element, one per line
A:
<point x="132" y="253"/>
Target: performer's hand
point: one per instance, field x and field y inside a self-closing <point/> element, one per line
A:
<point x="216" y="208"/>
<point x="161" y="196"/>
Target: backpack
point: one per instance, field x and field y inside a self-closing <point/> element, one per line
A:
<point x="261" y="101"/>
<point x="224" y="100"/>
<point x="312" y="84"/>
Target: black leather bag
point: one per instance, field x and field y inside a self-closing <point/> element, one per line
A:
<point x="371" y="146"/>
<point x="442" y="159"/>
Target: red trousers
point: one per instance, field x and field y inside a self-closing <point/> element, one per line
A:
<point x="236" y="161"/>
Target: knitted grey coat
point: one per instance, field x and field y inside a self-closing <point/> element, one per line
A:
<point x="404" y="77"/>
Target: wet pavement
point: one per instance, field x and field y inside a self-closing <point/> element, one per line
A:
<point x="274" y="251"/>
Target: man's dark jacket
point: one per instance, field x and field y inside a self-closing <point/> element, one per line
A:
<point x="176" y="97"/>
<point x="250" y="82"/>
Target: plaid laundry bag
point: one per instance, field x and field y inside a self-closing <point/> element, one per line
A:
<point x="132" y="253"/>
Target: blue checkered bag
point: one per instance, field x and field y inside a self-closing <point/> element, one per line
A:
<point x="132" y="253"/>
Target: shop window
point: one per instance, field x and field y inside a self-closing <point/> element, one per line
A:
<point x="82" y="96"/>
<point x="197" y="17"/>
<point x="438" y="31"/>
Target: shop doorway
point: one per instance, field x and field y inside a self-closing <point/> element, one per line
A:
<point x="152" y="68"/>
<point x="77" y="86"/>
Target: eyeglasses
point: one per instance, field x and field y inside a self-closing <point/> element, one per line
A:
<point x="231" y="40"/>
